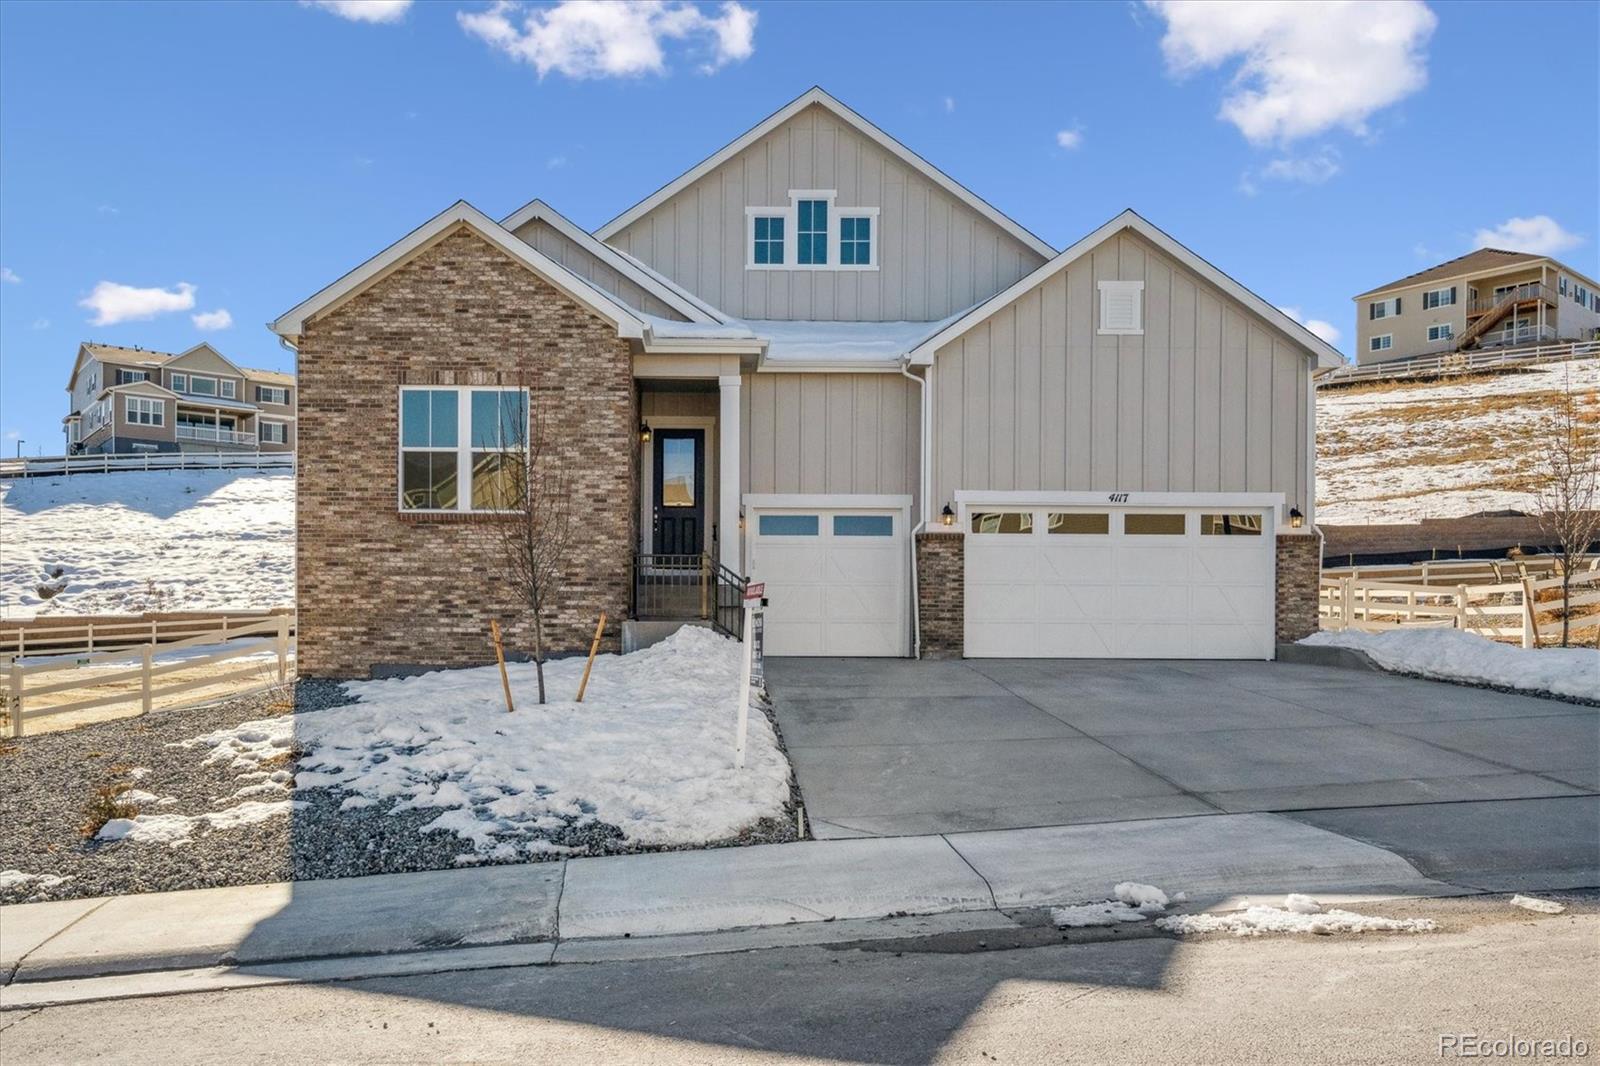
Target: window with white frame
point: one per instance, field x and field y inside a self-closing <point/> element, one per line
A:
<point x="129" y="377"/>
<point x="1381" y="343"/>
<point x="1580" y="293"/>
<point x="1383" y="308"/>
<point x="272" y="394"/>
<point x="142" y="411"/>
<point x="228" y="388"/>
<point x="455" y="437"/>
<point x="1442" y="332"/>
<point x="1121" y="307"/>
<point x="199" y="386"/>
<point x="94" y="380"/>
<point x="1561" y="284"/>
<point x="179" y="382"/>
<point x="812" y="233"/>
<point x="274" y="432"/>
<point x="1438" y="298"/>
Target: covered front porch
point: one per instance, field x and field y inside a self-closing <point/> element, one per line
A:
<point x="210" y="425"/>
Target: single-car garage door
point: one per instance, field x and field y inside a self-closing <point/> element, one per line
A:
<point x="1122" y="581"/>
<point x="835" y="577"/>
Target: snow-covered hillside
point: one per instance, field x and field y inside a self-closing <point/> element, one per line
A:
<point x="159" y="540"/>
<point x="1402" y="452"/>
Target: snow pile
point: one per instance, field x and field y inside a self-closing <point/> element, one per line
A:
<point x="175" y="830"/>
<point x="1455" y="655"/>
<point x="1134" y="903"/>
<point x="147" y="540"/>
<point x="1540" y="906"/>
<point x="650" y="750"/>
<point x="1299" y="914"/>
<point x="10" y="879"/>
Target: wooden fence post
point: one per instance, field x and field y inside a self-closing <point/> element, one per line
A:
<point x="91" y="638"/>
<point x="594" y="646"/>
<point x="16" y="700"/>
<point x="148" y="656"/>
<point x="500" y="657"/>
<point x="1530" y="626"/>
<point x="1461" y="607"/>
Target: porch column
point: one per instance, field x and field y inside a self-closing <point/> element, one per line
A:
<point x="729" y="435"/>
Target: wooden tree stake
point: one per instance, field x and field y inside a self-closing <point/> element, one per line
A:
<point x="594" y="647"/>
<point x="500" y="657"/>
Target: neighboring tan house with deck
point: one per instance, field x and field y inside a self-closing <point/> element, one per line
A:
<point x="130" y="400"/>
<point x="816" y="361"/>
<point x="1484" y="299"/>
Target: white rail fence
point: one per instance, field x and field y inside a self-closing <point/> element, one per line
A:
<point x="1470" y="362"/>
<point x="271" y="634"/>
<point x="108" y="462"/>
<point x="1516" y="609"/>
<point x="89" y="635"/>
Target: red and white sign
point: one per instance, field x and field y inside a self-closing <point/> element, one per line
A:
<point x="755" y="590"/>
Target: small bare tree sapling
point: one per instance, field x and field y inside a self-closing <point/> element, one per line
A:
<point x="1566" y="488"/>
<point x="518" y="472"/>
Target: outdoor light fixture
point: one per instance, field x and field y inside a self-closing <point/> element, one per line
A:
<point x="644" y="432"/>
<point x="1296" y="519"/>
<point x="947" y="516"/>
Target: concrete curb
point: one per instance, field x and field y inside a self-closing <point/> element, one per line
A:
<point x="1327" y="655"/>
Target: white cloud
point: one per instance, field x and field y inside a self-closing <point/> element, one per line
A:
<point x="9" y="275"/>
<point x="1301" y="68"/>
<point x="555" y="162"/>
<point x="12" y="434"/>
<point x="113" y="303"/>
<point x="1315" y="326"/>
<point x="1311" y="169"/>
<point x="622" y="39"/>
<point x="949" y="104"/>
<point x="41" y="323"/>
<point x="209" y="320"/>
<point x="1069" y="139"/>
<point x="1541" y="235"/>
<point x="363" y="10"/>
<point x="109" y="209"/>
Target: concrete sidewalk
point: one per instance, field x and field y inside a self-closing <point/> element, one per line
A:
<point x="1214" y="859"/>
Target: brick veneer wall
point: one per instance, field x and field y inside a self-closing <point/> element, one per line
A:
<point x="941" y="594"/>
<point x="1299" y="568"/>
<point x="378" y="589"/>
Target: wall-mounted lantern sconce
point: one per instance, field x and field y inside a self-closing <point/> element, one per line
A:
<point x="1296" y="519"/>
<point x="644" y="432"/>
<point x="947" y="516"/>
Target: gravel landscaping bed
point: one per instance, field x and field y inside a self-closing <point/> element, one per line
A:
<point x="47" y="783"/>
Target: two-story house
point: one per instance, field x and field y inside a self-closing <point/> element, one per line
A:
<point x="815" y="360"/>
<point x="1486" y="298"/>
<point x="130" y="400"/>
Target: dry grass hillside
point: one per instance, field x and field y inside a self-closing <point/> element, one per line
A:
<point x="1404" y="451"/>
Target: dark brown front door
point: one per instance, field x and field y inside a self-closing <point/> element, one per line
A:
<point x="679" y="498"/>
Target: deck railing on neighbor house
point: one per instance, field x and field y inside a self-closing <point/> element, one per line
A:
<point x="688" y="588"/>
<point x="214" y="434"/>
<point x="1446" y="363"/>
<point x="107" y="462"/>
<point x="1533" y="290"/>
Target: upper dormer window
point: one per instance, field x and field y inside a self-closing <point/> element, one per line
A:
<point x="812" y="233"/>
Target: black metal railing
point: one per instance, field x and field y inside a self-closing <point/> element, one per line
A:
<point x="688" y="588"/>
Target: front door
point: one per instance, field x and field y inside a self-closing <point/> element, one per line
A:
<point x="679" y="498"/>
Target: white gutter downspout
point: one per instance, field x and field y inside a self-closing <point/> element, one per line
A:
<point x="923" y="468"/>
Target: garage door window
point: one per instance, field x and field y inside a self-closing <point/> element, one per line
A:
<point x="1002" y="521"/>
<point x="1235" y="525"/>
<point x="1081" y="524"/>
<point x="1158" y="525"/>
<point x="788" y="525"/>
<point x="863" y="525"/>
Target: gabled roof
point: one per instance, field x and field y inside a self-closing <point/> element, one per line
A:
<point x="291" y="323"/>
<point x="269" y="377"/>
<point x="816" y="96"/>
<point x="1472" y="263"/>
<point x="668" y="292"/>
<point x="199" y="349"/>
<point x="1326" y="354"/>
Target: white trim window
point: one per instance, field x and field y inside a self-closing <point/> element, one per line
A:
<point x="199" y="386"/>
<point x="1389" y="308"/>
<point x="277" y="394"/>
<point x="274" y="432"/>
<point x="178" y="383"/>
<point x="1121" y="308"/>
<point x="811" y="233"/>
<point x="1381" y="343"/>
<point x="1441" y="332"/>
<point x="1438" y="298"/>
<point x="96" y="416"/>
<point x="131" y="377"/>
<point x="449" y="437"/>
<point x="228" y="389"/>
<point x="142" y="411"/>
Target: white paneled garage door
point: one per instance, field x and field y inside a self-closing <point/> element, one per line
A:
<point x="835" y="577"/>
<point x="1120" y="582"/>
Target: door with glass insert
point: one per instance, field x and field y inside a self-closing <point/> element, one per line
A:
<point x="679" y="501"/>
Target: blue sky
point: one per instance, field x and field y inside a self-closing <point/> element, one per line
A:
<point x="237" y="157"/>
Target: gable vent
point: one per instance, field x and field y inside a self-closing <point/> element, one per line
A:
<point x="1121" y="307"/>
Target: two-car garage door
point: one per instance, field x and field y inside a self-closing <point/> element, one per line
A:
<point x="1133" y="581"/>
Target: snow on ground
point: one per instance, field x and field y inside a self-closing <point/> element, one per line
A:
<point x="1134" y="902"/>
<point x="176" y="830"/>
<point x="148" y="540"/>
<point x="1260" y="920"/>
<point x="1454" y="655"/>
<point x="10" y="879"/>
<point x="650" y="750"/>
<point x="1531" y="903"/>
<point x="1402" y="452"/>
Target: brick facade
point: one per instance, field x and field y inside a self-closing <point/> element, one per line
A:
<point x="378" y="589"/>
<point x="941" y="594"/>
<point x="1299" y="568"/>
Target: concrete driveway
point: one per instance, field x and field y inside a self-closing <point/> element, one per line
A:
<point x="887" y="747"/>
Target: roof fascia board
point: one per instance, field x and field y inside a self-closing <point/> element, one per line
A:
<point x="627" y="266"/>
<point x="174" y="359"/>
<point x="292" y="322"/>
<point x="1324" y="353"/>
<point x="816" y="95"/>
<point x="1526" y="264"/>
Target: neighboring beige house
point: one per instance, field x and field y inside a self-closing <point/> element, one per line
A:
<point x="130" y="400"/>
<point x="816" y="361"/>
<point x="1487" y="298"/>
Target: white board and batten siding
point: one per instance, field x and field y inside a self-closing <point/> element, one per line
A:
<point x="1208" y="399"/>
<point x="584" y="263"/>
<point x="937" y="255"/>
